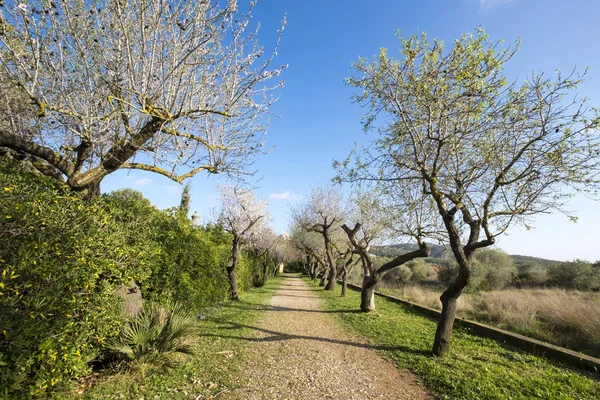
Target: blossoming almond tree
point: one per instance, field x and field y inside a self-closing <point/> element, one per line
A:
<point x="242" y="215"/>
<point x="168" y="86"/>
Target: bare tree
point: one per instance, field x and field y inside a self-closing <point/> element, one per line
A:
<point x="171" y="87"/>
<point x="322" y="213"/>
<point x="241" y="215"/>
<point x="490" y="153"/>
<point x="311" y="245"/>
<point x="398" y="214"/>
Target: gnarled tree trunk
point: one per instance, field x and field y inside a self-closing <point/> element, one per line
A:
<point x="323" y="278"/>
<point x="449" y="298"/>
<point x="331" y="279"/>
<point x="367" y="294"/>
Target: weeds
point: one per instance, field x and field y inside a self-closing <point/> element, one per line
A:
<point x="565" y="318"/>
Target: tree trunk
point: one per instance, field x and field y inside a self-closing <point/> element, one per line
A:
<point x="265" y="272"/>
<point x="235" y="248"/>
<point x="332" y="278"/>
<point x="449" y="298"/>
<point x="323" y="278"/>
<point x="367" y="294"/>
<point x="344" y="283"/>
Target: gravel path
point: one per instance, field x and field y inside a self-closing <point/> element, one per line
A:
<point x="302" y="353"/>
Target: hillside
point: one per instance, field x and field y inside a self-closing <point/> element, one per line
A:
<point x="437" y="252"/>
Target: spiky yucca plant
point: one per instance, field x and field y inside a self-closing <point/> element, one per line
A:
<point x="154" y="338"/>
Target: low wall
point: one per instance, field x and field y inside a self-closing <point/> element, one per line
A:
<point x="523" y="342"/>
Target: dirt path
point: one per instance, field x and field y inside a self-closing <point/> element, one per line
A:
<point x="303" y="353"/>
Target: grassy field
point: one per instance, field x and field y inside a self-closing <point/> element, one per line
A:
<point x="566" y="318"/>
<point x="477" y="368"/>
<point x="210" y="373"/>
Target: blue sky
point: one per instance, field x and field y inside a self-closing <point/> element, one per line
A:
<point x="317" y="122"/>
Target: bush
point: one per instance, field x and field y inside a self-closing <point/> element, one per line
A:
<point x="63" y="259"/>
<point x="155" y="337"/>
<point x="577" y="274"/>
<point x="491" y="269"/>
<point x="60" y="262"/>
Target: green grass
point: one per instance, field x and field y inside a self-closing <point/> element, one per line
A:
<point x="211" y="371"/>
<point x="477" y="368"/>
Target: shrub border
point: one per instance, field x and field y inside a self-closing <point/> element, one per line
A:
<point x="547" y="350"/>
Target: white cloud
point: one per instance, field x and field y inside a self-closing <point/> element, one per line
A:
<point x="142" y="182"/>
<point x="287" y="195"/>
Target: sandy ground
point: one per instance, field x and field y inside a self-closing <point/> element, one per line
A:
<point x="301" y="352"/>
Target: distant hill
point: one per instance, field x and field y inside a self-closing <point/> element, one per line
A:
<point x="437" y="252"/>
<point x="520" y="260"/>
<point x="395" y="250"/>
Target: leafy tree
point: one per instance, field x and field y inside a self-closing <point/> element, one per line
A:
<point x="172" y="87"/>
<point x="490" y="153"/>
<point x="241" y="215"/>
<point x="576" y="274"/>
<point x="184" y="205"/>
<point x="498" y="268"/>
<point x="531" y="274"/>
<point x="419" y="269"/>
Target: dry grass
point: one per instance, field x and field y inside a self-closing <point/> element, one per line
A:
<point x="566" y="318"/>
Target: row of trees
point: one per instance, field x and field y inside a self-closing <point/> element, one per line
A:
<point x="172" y="87"/>
<point x="459" y="154"/>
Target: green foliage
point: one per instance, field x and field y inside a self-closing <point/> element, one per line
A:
<point x="211" y="372"/>
<point x="479" y="369"/>
<point x="188" y="263"/>
<point x="531" y="274"/>
<point x="184" y="205"/>
<point x="498" y="267"/>
<point x="154" y="338"/>
<point x="419" y="269"/>
<point x="576" y="274"/>
<point x="61" y="260"/>
<point x="490" y="269"/>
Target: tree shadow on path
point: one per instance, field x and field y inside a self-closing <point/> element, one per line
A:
<point x="275" y="336"/>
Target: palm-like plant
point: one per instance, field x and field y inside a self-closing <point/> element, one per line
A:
<point x="155" y="337"/>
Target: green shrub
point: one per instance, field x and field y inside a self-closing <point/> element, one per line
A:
<point x="60" y="262"/>
<point x="155" y="337"/>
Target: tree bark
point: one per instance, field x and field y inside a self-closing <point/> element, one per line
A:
<point x="323" y="278"/>
<point x="233" y="284"/>
<point x="92" y="190"/>
<point x="367" y="294"/>
<point x="331" y="279"/>
<point x="344" y="283"/>
<point x="443" y="333"/>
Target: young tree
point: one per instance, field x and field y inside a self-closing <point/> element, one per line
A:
<point x="172" y="87"/>
<point x="400" y="217"/>
<point x="490" y="153"/>
<point x="322" y="213"/>
<point x="241" y="215"/>
<point x="184" y="204"/>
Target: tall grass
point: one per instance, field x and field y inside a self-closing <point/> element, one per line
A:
<point x="566" y="318"/>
